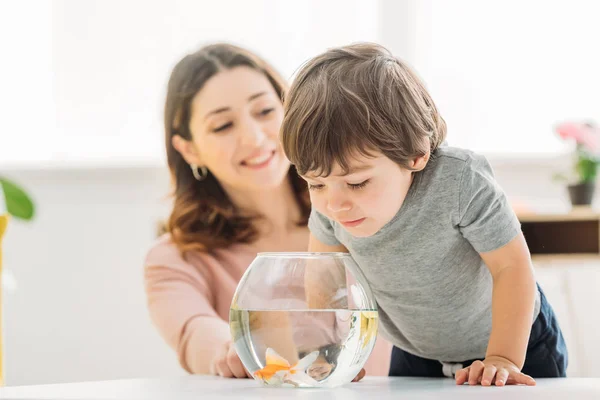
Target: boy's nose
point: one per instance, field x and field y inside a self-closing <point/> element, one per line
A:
<point x="336" y="204"/>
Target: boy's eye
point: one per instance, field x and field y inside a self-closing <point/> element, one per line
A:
<point x="223" y="127"/>
<point x="356" y="186"/>
<point x="315" y="186"/>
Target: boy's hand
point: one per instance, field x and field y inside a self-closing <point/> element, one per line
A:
<point x="360" y="375"/>
<point x="493" y="370"/>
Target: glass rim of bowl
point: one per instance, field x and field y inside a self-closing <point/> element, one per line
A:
<point x="303" y="254"/>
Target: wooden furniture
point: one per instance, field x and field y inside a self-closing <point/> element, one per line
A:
<point x="576" y="233"/>
<point x="565" y="251"/>
<point x="205" y="387"/>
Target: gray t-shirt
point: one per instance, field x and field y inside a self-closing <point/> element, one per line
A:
<point x="433" y="290"/>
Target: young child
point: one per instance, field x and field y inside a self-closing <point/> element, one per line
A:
<point x="427" y="223"/>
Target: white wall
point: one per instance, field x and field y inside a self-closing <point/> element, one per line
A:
<point x="95" y="71"/>
<point x="78" y="309"/>
<point x="503" y="73"/>
<point x="85" y="79"/>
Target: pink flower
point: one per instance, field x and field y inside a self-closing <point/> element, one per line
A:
<point x="583" y="134"/>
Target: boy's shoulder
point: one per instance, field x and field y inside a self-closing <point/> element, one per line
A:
<point x="455" y="153"/>
<point x="451" y="169"/>
<point x="458" y="159"/>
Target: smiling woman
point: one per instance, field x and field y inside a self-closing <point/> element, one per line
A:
<point x="235" y="195"/>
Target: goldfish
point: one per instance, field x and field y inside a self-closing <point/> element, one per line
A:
<point x="279" y="371"/>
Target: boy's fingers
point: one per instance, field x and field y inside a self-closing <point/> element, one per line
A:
<point x="476" y="372"/>
<point x="488" y="375"/>
<point x="521" y="378"/>
<point x="501" y="376"/>
<point x="462" y="375"/>
<point x="360" y="375"/>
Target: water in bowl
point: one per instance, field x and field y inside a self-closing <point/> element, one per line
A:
<point x="304" y="348"/>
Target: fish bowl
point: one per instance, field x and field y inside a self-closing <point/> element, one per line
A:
<point x="303" y="319"/>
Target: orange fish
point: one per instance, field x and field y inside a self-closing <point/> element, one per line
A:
<point x="279" y="371"/>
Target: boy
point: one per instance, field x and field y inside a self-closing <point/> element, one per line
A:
<point x="427" y="224"/>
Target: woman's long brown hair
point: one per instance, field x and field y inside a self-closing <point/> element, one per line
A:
<point x="203" y="217"/>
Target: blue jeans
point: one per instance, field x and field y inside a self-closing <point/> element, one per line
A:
<point x="546" y="357"/>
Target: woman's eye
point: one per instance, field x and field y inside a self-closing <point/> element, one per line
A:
<point x="356" y="186"/>
<point x="267" y="111"/>
<point x="315" y="187"/>
<point x="223" y="127"/>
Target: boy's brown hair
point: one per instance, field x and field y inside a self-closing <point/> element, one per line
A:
<point x="358" y="99"/>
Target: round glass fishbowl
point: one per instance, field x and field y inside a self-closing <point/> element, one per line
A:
<point x="303" y="319"/>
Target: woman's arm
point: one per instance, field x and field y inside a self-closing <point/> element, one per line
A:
<point x="179" y="306"/>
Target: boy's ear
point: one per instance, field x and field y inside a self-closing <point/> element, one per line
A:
<point x="420" y="162"/>
<point x="187" y="149"/>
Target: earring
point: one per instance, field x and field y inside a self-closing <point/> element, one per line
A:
<point x="200" y="173"/>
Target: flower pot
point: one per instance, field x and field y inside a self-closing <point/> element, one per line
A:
<point x="582" y="194"/>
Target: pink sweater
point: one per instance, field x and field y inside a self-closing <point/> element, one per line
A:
<point x="189" y="302"/>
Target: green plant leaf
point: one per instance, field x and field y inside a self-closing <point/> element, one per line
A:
<point x="18" y="203"/>
<point x="587" y="169"/>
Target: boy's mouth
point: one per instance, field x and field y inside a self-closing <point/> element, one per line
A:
<point x="352" y="223"/>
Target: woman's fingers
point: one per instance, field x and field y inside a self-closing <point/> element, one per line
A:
<point x="234" y="364"/>
<point x="219" y="364"/>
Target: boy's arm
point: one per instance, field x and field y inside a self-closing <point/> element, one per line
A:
<point x="513" y="303"/>
<point x="321" y="285"/>
<point x="315" y="284"/>
<point x="315" y="245"/>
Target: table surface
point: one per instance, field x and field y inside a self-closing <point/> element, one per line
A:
<point x="205" y="387"/>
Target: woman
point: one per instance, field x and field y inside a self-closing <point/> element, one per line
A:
<point x="235" y="195"/>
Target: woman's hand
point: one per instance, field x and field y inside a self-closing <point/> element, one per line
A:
<point x="493" y="371"/>
<point x="227" y="363"/>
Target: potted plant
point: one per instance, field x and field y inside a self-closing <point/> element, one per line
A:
<point x="582" y="179"/>
<point x="14" y="201"/>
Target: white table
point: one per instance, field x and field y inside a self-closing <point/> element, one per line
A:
<point x="204" y="387"/>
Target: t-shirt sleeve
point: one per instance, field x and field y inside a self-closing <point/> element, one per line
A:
<point x="486" y="218"/>
<point x="179" y="300"/>
<point x="321" y="228"/>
